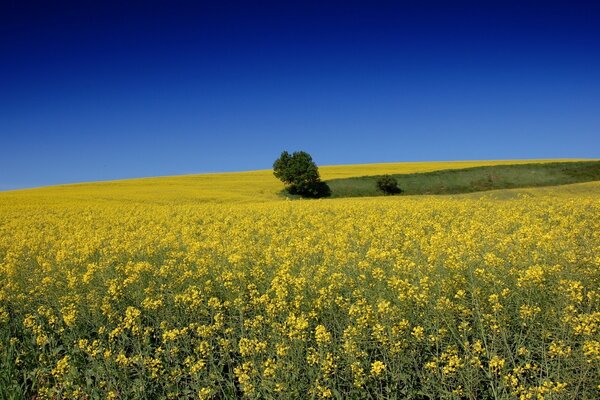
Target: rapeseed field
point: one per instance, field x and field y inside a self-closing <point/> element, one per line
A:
<point x="214" y="287"/>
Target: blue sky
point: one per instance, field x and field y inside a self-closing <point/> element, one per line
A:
<point x="101" y="90"/>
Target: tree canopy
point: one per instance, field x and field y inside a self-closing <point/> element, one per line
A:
<point x="300" y="174"/>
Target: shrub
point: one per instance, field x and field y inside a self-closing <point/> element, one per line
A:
<point x="388" y="185"/>
<point x="300" y="174"/>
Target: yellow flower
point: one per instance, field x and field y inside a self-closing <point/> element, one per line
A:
<point x="591" y="350"/>
<point x="377" y="368"/>
<point x="527" y="312"/>
<point x="496" y="364"/>
<point x="61" y="368"/>
<point x="418" y="332"/>
<point x="322" y="336"/>
<point x="324" y="392"/>
<point x="3" y="315"/>
<point x="204" y="394"/>
<point x="559" y="349"/>
<point x="269" y="368"/>
<point x="112" y="395"/>
<point x="250" y="347"/>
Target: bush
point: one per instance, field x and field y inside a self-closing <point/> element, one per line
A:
<point x="300" y="174"/>
<point x="388" y="185"/>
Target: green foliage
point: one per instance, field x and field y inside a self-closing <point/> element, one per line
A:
<point x="300" y="174"/>
<point x="475" y="179"/>
<point x="388" y="185"/>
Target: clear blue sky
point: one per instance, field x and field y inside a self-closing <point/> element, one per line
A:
<point x="95" y="90"/>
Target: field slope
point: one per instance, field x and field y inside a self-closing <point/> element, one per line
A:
<point x="474" y="179"/>
<point x="219" y="188"/>
<point x="214" y="287"/>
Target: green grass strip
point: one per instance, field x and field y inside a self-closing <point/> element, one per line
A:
<point x="477" y="179"/>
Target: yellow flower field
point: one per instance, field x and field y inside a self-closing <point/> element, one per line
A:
<point x="212" y="286"/>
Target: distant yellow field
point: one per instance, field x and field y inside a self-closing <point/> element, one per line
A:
<point x="237" y="187"/>
<point x="213" y="287"/>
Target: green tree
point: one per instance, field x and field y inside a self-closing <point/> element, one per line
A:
<point x="300" y="174"/>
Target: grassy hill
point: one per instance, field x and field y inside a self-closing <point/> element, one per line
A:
<point x="219" y="188"/>
<point x="474" y="179"/>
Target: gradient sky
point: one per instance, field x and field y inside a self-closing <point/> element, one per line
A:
<point x="95" y="90"/>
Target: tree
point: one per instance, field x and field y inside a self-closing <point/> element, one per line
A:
<point x="300" y="174"/>
<point x="388" y="185"/>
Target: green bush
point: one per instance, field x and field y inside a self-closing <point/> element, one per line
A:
<point x="388" y="185"/>
<point x="300" y="174"/>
